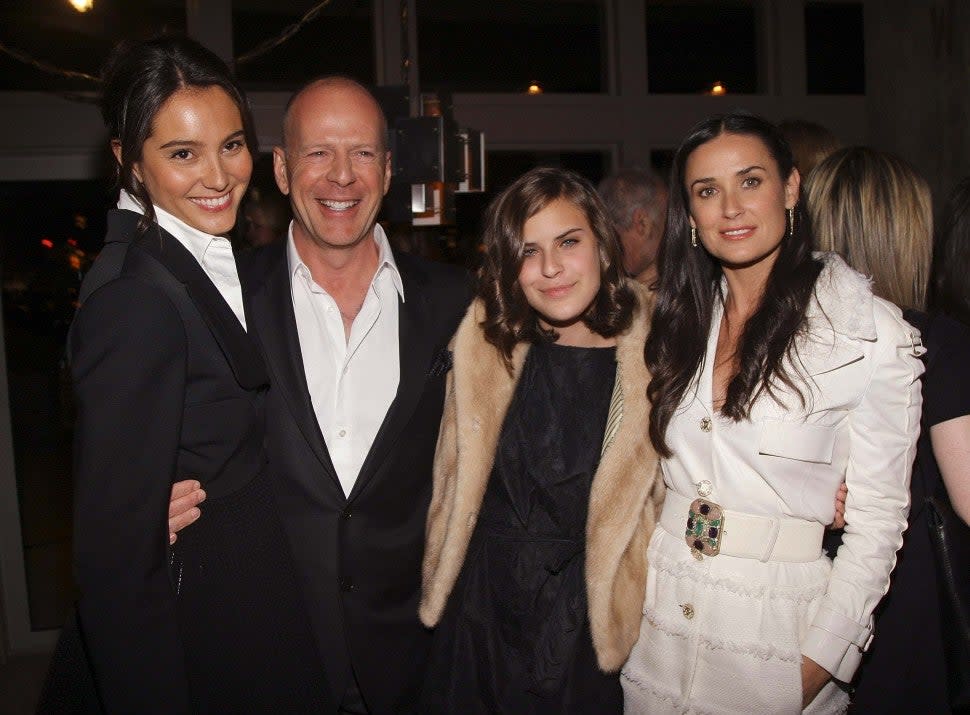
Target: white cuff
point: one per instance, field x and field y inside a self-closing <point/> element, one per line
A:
<point x="837" y="643"/>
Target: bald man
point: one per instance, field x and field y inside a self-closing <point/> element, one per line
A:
<point x="355" y="338"/>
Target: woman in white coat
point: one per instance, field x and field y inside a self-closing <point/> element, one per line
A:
<point x="776" y="375"/>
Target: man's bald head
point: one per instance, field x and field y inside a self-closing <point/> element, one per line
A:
<point x="322" y="86"/>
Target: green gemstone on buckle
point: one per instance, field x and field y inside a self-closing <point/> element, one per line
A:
<point x="705" y="522"/>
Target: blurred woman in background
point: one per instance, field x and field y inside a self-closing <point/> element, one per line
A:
<point x="876" y="211"/>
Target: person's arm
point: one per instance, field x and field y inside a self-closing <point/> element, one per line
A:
<point x="128" y="359"/>
<point x="883" y="428"/>
<point x="951" y="447"/>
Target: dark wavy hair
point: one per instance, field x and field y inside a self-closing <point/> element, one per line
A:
<point x="138" y="78"/>
<point x="689" y="285"/>
<point x="509" y="319"/>
<point x="951" y="291"/>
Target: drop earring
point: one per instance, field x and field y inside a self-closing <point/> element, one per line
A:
<point x="693" y="236"/>
<point x="791" y="221"/>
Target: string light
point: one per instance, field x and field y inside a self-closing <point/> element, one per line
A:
<point x="534" y="88"/>
<point x="286" y="34"/>
<point x="84" y="5"/>
<point x="717" y="89"/>
<point x="43" y="66"/>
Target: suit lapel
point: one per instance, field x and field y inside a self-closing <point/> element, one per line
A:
<point x="272" y="309"/>
<point x="237" y="346"/>
<point x="416" y="350"/>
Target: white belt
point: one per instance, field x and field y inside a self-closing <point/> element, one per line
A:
<point x="749" y="536"/>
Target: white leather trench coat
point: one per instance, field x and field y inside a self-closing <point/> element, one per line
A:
<point x="859" y="422"/>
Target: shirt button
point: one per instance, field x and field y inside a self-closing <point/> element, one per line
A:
<point x="688" y="610"/>
<point x="704" y="488"/>
<point x="342" y="433"/>
<point x="705" y="424"/>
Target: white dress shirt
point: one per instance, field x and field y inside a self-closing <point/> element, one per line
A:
<point x="353" y="381"/>
<point x="859" y="422"/>
<point x="214" y="253"/>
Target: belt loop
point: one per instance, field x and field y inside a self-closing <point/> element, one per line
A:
<point x="770" y="541"/>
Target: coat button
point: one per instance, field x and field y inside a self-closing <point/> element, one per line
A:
<point x="687" y="610"/>
<point x="347" y="513"/>
<point x="705" y="424"/>
<point x="346" y="585"/>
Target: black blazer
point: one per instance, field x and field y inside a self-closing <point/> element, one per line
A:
<point x="359" y="557"/>
<point x="170" y="386"/>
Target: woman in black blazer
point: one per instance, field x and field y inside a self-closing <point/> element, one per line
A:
<point x="170" y="385"/>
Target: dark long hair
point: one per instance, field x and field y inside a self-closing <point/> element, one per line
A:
<point x="952" y="293"/>
<point x="689" y="283"/>
<point x="138" y="78"/>
<point x="509" y="319"/>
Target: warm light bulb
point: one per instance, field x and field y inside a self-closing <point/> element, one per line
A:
<point x="82" y="5"/>
<point x="534" y="88"/>
<point x="718" y="89"/>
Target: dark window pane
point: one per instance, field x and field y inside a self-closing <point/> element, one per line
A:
<point x="50" y="234"/>
<point x="53" y="32"/>
<point x="503" y="45"/>
<point x="504" y="167"/>
<point x="834" y="48"/>
<point x="339" y="41"/>
<point x="690" y="46"/>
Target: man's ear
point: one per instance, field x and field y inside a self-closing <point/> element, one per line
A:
<point x="387" y="172"/>
<point x="279" y="170"/>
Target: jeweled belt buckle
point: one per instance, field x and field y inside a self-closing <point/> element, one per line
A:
<point x="705" y="524"/>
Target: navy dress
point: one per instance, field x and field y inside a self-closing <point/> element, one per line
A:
<point x="515" y="637"/>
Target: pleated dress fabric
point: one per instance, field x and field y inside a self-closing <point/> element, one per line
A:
<point x="722" y="635"/>
<point x="515" y="637"/>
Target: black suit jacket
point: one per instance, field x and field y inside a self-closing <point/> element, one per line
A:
<point x="360" y="556"/>
<point x="170" y="386"/>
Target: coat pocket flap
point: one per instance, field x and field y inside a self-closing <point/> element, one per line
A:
<point x="805" y="442"/>
<point x="818" y="358"/>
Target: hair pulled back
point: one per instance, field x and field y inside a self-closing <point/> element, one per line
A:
<point x="138" y="78"/>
